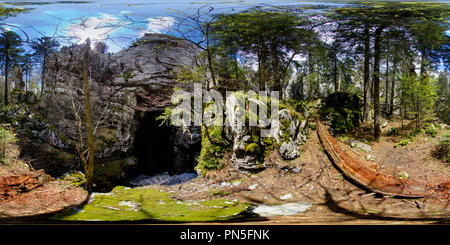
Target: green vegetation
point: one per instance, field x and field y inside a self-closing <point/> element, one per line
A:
<point x="402" y="143"/>
<point x="213" y="149"/>
<point x="431" y="129"/>
<point x="442" y="150"/>
<point x="147" y="204"/>
<point x="7" y="138"/>
<point x="343" y="110"/>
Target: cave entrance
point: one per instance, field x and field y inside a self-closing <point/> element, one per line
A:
<point x="164" y="148"/>
<point x="153" y="145"/>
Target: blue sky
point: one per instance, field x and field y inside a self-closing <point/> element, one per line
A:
<point x="117" y="22"/>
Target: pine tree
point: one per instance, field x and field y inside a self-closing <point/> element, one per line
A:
<point x="10" y="43"/>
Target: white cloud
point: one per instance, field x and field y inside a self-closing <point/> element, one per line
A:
<point x="158" y="24"/>
<point x="96" y="28"/>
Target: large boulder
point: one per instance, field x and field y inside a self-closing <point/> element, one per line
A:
<point x="249" y="145"/>
<point x="123" y="87"/>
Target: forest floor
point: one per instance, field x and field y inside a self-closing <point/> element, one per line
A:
<point x="335" y="198"/>
<point x="311" y="178"/>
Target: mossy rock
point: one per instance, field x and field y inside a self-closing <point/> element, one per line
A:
<point x="344" y="110"/>
<point x="253" y="148"/>
<point x="211" y="152"/>
<point x="133" y="204"/>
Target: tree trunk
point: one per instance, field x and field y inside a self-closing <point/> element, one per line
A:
<point x="386" y="97"/>
<point x="87" y="108"/>
<point x="211" y="70"/>
<point x="339" y="81"/>
<point x="6" y="78"/>
<point x="393" y="86"/>
<point x="335" y="75"/>
<point x="366" y="108"/>
<point x="376" y="83"/>
<point x="43" y="73"/>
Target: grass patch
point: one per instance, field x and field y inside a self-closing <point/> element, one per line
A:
<point x="132" y="204"/>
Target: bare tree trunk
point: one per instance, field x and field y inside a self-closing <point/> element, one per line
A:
<point x="393" y="85"/>
<point x="6" y="78"/>
<point x="366" y="108"/>
<point x="43" y="74"/>
<point x="87" y="108"/>
<point x="339" y="81"/>
<point x="386" y="107"/>
<point x="376" y="83"/>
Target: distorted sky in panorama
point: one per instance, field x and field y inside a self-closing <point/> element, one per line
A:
<point x="117" y="22"/>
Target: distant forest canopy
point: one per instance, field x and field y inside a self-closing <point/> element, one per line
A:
<point x="394" y="55"/>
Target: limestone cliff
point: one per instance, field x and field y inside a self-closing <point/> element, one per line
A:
<point x="125" y="88"/>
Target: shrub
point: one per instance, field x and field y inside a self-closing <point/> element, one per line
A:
<point x="442" y="150"/>
<point x="392" y="131"/>
<point x="431" y="129"/>
<point x="402" y="143"/>
<point x="6" y="139"/>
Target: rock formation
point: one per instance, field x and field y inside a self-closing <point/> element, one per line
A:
<point x="125" y="88"/>
<point x="129" y="89"/>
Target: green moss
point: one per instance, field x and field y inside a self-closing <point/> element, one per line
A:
<point x="253" y="148"/>
<point x="147" y="204"/>
<point x="107" y="135"/>
<point x="77" y="178"/>
<point x="212" y="151"/>
<point x="402" y="143"/>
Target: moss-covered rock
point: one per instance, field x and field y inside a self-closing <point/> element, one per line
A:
<point x="213" y="148"/>
<point x="342" y="111"/>
<point x="132" y="204"/>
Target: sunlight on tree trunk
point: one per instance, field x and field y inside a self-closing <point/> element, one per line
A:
<point x="87" y="107"/>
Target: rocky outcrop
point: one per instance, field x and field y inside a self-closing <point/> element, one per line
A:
<point x="290" y="132"/>
<point x="246" y="144"/>
<point x="123" y="87"/>
<point x="129" y="89"/>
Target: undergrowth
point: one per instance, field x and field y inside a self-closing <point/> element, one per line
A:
<point x="442" y="150"/>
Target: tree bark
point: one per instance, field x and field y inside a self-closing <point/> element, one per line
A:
<point x="6" y="78"/>
<point x="43" y="74"/>
<point x="393" y="86"/>
<point x="87" y="108"/>
<point x="366" y="108"/>
<point x="386" y="98"/>
<point x="376" y="83"/>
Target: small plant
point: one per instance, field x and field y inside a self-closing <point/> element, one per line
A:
<point x="392" y="131"/>
<point x="127" y="75"/>
<point x="401" y="143"/>
<point x="6" y="139"/>
<point x="442" y="150"/>
<point x="431" y="129"/>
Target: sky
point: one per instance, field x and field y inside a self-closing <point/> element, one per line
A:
<point x="119" y="22"/>
<point x="116" y="22"/>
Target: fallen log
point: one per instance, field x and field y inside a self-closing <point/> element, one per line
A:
<point x="369" y="178"/>
<point x="13" y="185"/>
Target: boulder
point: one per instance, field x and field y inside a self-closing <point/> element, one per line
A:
<point x="249" y="147"/>
<point x="289" y="133"/>
<point x="123" y="86"/>
<point x="358" y="145"/>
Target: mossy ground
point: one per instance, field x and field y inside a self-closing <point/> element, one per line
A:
<point x="132" y="204"/>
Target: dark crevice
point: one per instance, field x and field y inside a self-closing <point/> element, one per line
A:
<point x="153" y="145"/>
